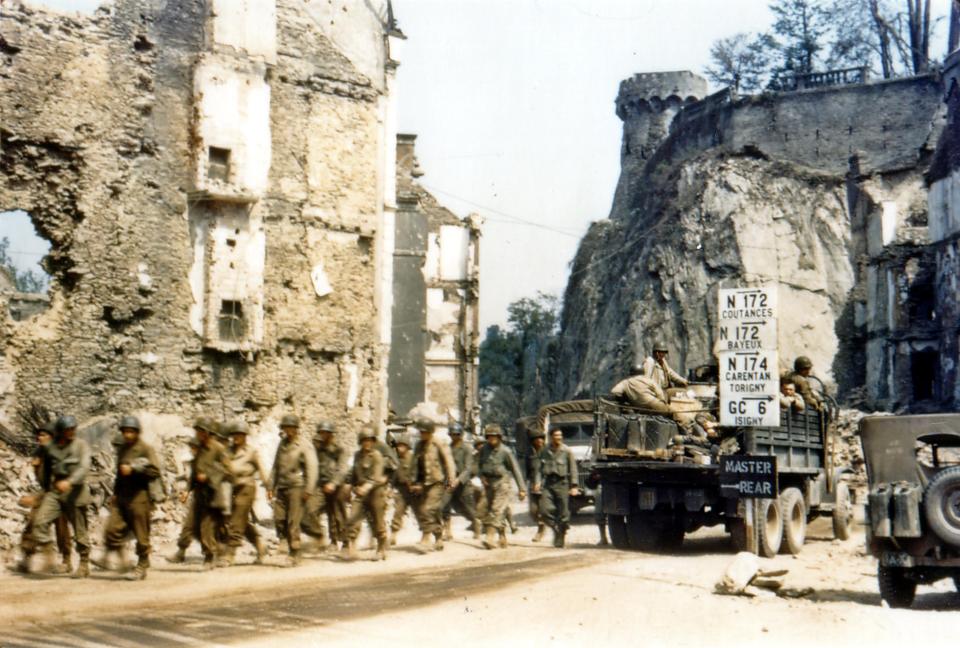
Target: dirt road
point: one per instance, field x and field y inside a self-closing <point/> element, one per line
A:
<point x="527" y="595"/>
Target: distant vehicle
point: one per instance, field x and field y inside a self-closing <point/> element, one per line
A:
<point x="576" y="420"/>
<point x="913" y="505"/>
<point x="659" y="483"/>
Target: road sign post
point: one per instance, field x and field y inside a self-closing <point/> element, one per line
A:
<point x="747" y="354"/>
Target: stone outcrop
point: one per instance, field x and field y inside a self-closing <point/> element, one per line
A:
<point x="745" y="191"/>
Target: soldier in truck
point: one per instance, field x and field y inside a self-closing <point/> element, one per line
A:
<point x="657" y="369"/>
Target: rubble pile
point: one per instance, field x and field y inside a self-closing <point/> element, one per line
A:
<point x="849" y="451"/>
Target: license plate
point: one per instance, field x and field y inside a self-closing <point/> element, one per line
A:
<point x="897" y="559"/>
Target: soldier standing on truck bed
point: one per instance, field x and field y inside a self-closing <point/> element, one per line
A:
<point x="802" y="370"/>
<point x="538" y="439"/>
<point x="496" y="464"/>
<point x="657" y="369"/>
<point x="557" y="480"/>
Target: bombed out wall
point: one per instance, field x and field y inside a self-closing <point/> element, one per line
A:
<point x="212" y="178"/>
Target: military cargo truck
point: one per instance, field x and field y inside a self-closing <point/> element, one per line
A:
<point x="659" y="482"/>
<point x="913" y="504"/>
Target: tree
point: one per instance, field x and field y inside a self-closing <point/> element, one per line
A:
<point x="27" y="281"/>
<point x="740" y="61"/>
<point x="918" y="21"/>
<point x="799" y="28"/>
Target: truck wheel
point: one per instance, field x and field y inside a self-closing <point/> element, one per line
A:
<point x="895" y="588"/>
<point x="842" y="513"/>
<point x="941" y="505"/>
<point x="794" y="521"/>
<point x="617" y="527"/>
<point x="770" y="527"/>
<point x="642" y="532"/>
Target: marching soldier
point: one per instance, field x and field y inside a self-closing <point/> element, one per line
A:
<point x="330" y="496"/>
<point x="496" y="464"/>
<point x="460" y="497"/>
<point x="538" y="439"/>
<point x="131" y="505"/>
<point x="403" y="479"/>
<point x="245" y="465"/>
<point x="369" y="494"/>
<point x="68" y="494"/>
<point x="186" y="529"/>
<point x="434" y="469"/>
<point x="293" y="480"/>
<point x="557" y="479"/>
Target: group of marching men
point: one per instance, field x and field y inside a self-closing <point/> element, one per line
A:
<point x="313" y="487"/>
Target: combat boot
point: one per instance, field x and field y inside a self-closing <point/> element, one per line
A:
<point x="539" y="535"/>
<point x="63" y="567"/>
<point x="104" y="562"/>
<point x="393" y="538"/>
<point x="503" y="538"/>
<point x="489" y="542"/>
<point x="48" y="561"/>
<point x="23" y="565"/>
<point x="349" y="552"/>
<point x="139" y="572"/>
<point x="229" y="555"/>
<point x="294" y="558"/>
<point x="83" y="569"/>
<point x="438" y="541"/>
<point x="261" y="552"/>
<point x="559" y="538"/>
<point x="381" y="550"/>
<point x="476" y="529"/>
<point x="178" y="557"/>
<point x="448" y="529"/>
<point x="424" y="545"/>
<point x="603" y="536"/>
<point x="209" y="564"/>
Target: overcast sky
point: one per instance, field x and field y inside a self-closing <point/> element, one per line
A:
<point x="513" y="103"/>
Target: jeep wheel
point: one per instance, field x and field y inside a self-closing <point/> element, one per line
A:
<point x="941" y="505"/>
<point x="618" y="531"/>
<point x="770" y="527"/>
<point x="794" y="521"/>
<point x="842" y="512"/>
<point x="895" y="588"/>
<point x="642" y="531"/>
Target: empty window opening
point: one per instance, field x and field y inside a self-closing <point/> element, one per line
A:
<point x="925" y="374"/>
<point x="21" y="252"/>
<point x="233" y="327"/>
<point x="922" y="301"/>
<point x="218" y="163"/>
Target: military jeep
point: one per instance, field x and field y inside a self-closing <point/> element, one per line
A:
<point x="913" y="505"/>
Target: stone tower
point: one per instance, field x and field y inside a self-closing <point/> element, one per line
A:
<point x="648" y="102"/>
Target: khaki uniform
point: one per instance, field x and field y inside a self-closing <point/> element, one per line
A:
<point x="213" y="461"/>
<point x="41" y="469"/>
<point x="496" y="465"/>
<point x="294" y="473"/>
<point x="403" y="497"/>
<point x="460" y="499"/>
<point x="131" y="506"/>
<point x="369" y="481"/>
<point x="662" y="374"/>
<point x="805" y="391"/>
<point x="333" y="469"/>
<point x="794" y="402"/>
<point x="435" y="468"/>
<point x="535" y="503"/>
<point x="71" y="463"/>
<point x="644" y="393"/>
<point x="245" y="465"/>
<point x="556" y="475"/>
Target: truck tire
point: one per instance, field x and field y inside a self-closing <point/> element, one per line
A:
<point x="794" y="513"/>
<point x="642" y="531"/>
<point x="769" y="527"/>
<point x="842" y="512"/>
<point x="941" y="505"/>
<point x="617" y="527"/>
<point x="895" y="588"/>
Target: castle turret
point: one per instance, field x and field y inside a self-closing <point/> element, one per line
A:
<point x="648" y="102"/>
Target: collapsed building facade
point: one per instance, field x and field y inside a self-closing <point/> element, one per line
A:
<point x="819" y="191"/>
<point x="218" y="182"/>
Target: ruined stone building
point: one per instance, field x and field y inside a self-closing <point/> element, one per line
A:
<point x="434" y="356"/>
<point x="819" y="191"/>
<point x="217" y="180"/>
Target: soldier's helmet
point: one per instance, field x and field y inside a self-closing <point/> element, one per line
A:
<point x="204" y="423"/>
<point x="49" y="427"/>
<point x="236" y="427"/>
<point x="367" y="432"/>
<point x="326" y="426"/>
<point x="424" y="425"/>
<point x="660" y="345"/>
<point x="66" y="422"/>
<point x="289" y="421"/>
<point x="538" y="434"/>
<point x="455" y="429"/>
<point x="221" y="430"/>
<point x="402" y="439"/>
<point x="802" y="363"/>
<point x="492" y="429"/>
<point x="129" y="423"/>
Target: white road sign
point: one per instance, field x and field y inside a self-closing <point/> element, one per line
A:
<point x="747" y="354"/>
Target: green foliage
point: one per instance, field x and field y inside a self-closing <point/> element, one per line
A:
<point x="27" y="281"/>
<point x="741" y="61"/>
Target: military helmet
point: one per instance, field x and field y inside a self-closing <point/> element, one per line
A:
<point x="538" y="434"/>
<point x="660" y="345"/>
<point x="492" y="429"/>
<point x="204" y="423"/>
<point x="425" y="425"/>
<point x="49" y="427"/>
<point x="367" y="432"/>
<point x="236" y="427"/>
<point x="455" y="428"/>
<point x="220" y="430"/>
<point x="801" y="363"/>
<point x="402" y="438"/>
<point x="66" y="422"/>
<point x="290" y="420"/>
<point x="129" y="422"/>
<point x="326" y="425"/>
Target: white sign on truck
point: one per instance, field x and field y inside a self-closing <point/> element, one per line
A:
<point x="747" y="355"/>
